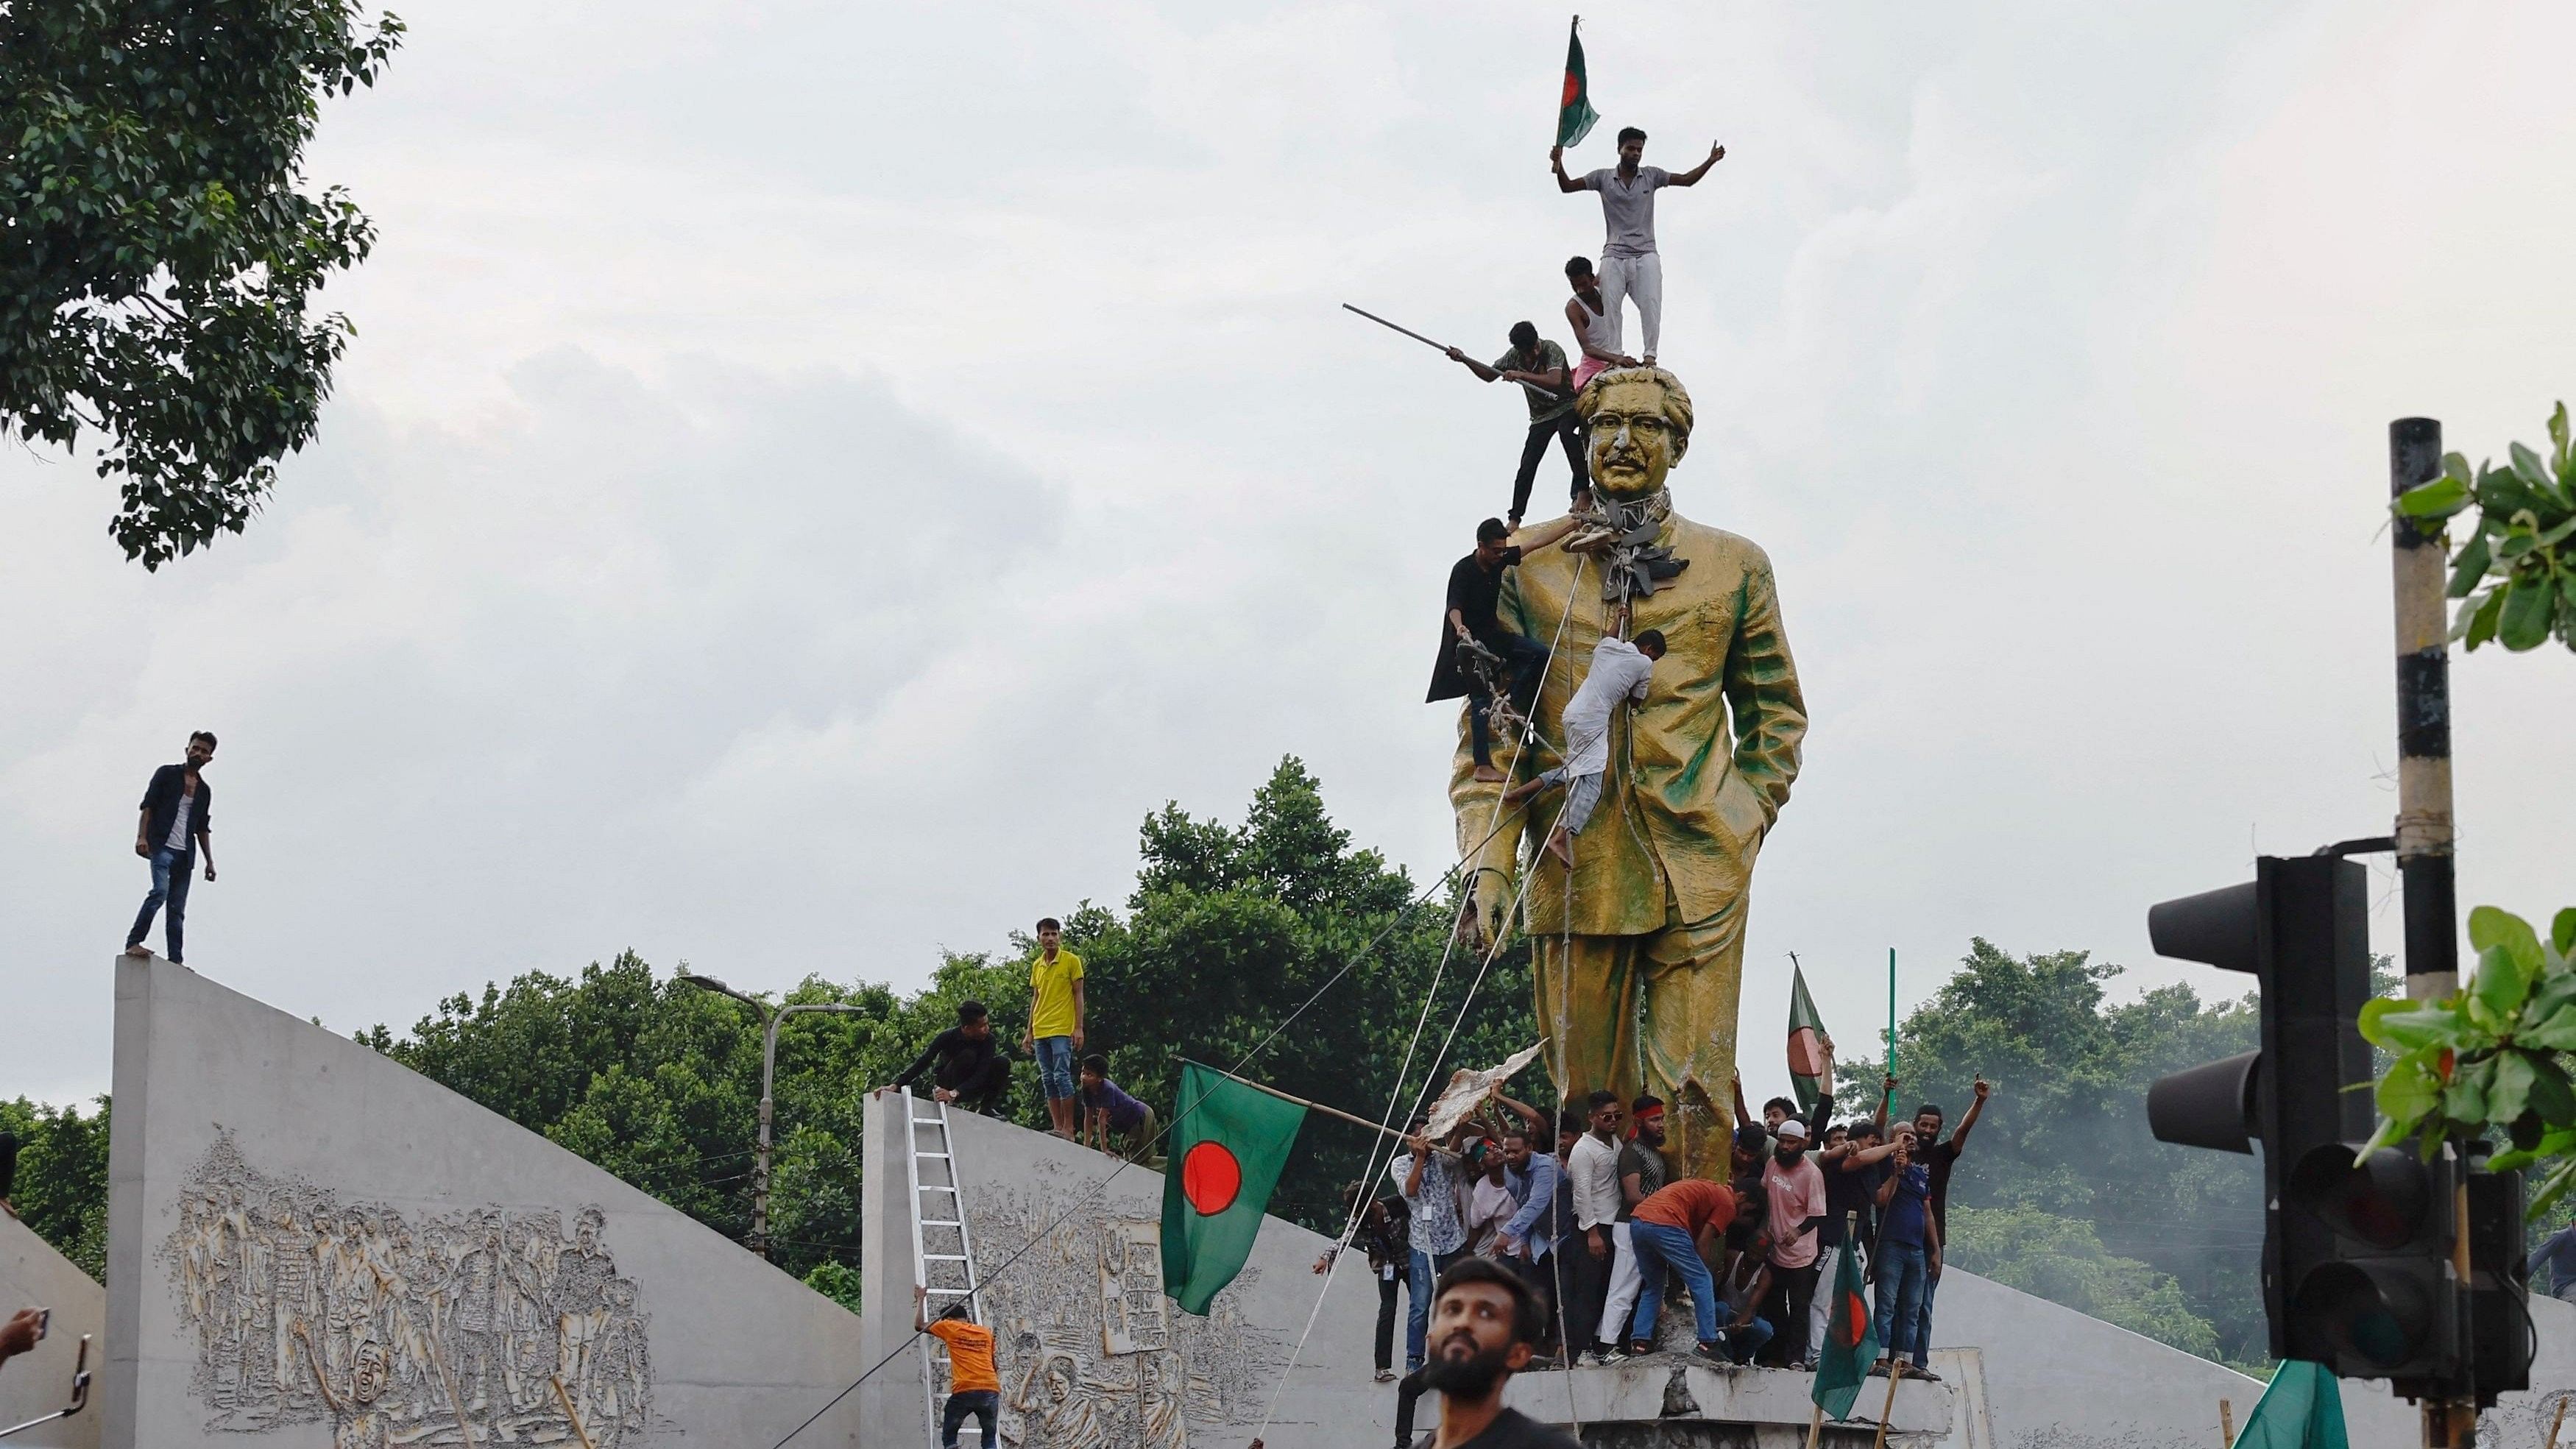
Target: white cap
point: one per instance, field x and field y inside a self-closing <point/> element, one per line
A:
<point x="1791" y="1127"/>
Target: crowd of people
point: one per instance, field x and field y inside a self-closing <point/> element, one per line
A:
<point x="1599" y="1230"/>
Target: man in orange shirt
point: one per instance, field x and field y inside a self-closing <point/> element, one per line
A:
<point x="973" y="1385"/>
<point x="1673" y="1228"/>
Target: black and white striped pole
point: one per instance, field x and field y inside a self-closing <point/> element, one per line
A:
<point x="2423" y="723"/>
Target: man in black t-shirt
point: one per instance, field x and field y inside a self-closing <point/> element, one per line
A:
<point x="1475" y="588"/>
<point x="1484" y="1327"/>
<point x="1939" y="1156"/>
<point x="971" y="1070"/>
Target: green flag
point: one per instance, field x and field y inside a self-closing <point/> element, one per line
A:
<point x="1851" y="1340"/>
<point x="2301" y="1410"/>
<point x="1574" y="113"/>
<point x="1806" y="1044"/>
<point x="1229" y="1141"/>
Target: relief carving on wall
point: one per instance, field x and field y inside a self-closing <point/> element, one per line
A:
<point x="475" y="1326"/>
<point x="1090" y="1351"/>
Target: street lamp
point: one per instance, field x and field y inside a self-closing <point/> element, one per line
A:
<point x="770" y="1016"/>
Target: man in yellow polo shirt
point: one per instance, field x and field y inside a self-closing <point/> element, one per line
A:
<point x="1055" y="1022"/>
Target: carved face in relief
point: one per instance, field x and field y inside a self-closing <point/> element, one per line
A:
<point x="1641" y="421"/>
<point x="367" y="1378"/>
<point x="1059" y="1377"/>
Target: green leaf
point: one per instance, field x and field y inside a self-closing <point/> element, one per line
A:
<point x="2551" y="1189"/>
<point x="2528" y="606"/>
<point x="2509" y="1092"/>
<point x="2507" y="1161"/>
<point x="2390" y="1133"/>
<point x="2491" y="926"/>
<point x="2555" y="1032"/>
<point x="2469" y="565"/>
<point x="2411" y="1089"/>
<point x="2551" y="1095"/>
<point x="2562" y="930"/>
<point x="2401" y="1025"/>
<point x="2558" y="438"/>
<point x="2456" y="465"/>
<point x="2438" y="499"/>
<point x="2528" y="467"/>
<point x="2478" y="617"/>
<point x="2465" y="1099"/>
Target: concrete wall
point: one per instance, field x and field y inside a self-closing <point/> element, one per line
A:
<point x="311" y="1244"/>
<point x="2058" y="1379"/>
<point x="1087" y="1343"/>
<point x="33" y="1275"/>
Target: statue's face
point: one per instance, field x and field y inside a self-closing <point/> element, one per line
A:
<point x="1633" y="444"/>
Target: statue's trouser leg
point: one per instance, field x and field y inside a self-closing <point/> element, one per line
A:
<point x="1586" y="1001"/>
<point x="1693" y="978"/>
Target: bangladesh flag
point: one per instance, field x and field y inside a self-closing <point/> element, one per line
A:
<point x="1229" y="1140"/>
<point x="1574" y="113"/>
<point x="2303" y="1409"/>
<point x="1851" y="1340"/>
<point x="1806" y="1044"/>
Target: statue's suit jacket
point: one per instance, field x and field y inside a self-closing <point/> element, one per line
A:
<point x="1697" y="772"/>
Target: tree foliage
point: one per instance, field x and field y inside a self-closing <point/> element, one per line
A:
<point x="2516" y="574"/>
<point x="2490" y="1060"/>
<point x="61" y="1187"/>
<point x="157" y="251"/>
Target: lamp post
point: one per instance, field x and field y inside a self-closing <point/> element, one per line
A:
<point x="770" y="1017"/>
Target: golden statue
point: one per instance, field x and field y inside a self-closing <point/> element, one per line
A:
<point x="1639" y="963"/>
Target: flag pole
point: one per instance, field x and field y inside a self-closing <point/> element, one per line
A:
<point x="1890" y="1093"/>
<point x="1894" y="1372"/>
<point x="1311" y="1106"/>
<point x="1816" y="1427"/>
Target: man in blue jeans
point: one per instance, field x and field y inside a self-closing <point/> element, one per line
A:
<point x="1675" y="1227"/>
<point x="178" y="811"/>
<point x="1906" y="1239"/>
<point x="1427" y="1175"/>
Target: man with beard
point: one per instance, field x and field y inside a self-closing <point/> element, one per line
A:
<point x="1485" y="1323"/>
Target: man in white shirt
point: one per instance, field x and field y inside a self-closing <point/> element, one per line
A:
<point x="1620" y="671"/>
<point x="1630" y="265"/>
<point x="1593" y="1167"/>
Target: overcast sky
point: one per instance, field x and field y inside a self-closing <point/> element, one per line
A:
<point x="811" y="478"/>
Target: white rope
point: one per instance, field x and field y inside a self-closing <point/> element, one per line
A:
<point x="1350" y="1221"/>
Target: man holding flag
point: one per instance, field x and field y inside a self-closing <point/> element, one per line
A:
<point x="1850" y="1346"/>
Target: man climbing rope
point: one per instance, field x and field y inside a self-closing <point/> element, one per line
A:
<point x="1472" y="631"/>
<point x="1620" y="671"/>
<point x="1631" y="268"/>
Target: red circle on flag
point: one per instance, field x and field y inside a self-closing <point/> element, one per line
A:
<point x="1855" y="1316"/>
<point x="1210" y="1178"/>
<point x="1573" y="90"/>
<point x="1806" y="1053"/>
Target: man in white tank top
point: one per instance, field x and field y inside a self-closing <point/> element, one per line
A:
<point x="1596" y="327"/>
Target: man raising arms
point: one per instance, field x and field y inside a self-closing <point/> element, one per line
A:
<point x="1630" y="266"/>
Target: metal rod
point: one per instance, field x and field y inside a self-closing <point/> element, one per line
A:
<point x="1407" y="331"/>
<point x="2424" y="825"/>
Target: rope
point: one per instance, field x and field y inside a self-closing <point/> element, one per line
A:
<point x="1350" y="1222"/>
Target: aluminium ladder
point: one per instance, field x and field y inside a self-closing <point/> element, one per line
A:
<point x="948" y="1217"/>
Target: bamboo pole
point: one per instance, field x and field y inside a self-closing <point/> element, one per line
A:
<point x="1816" y="1427"/>
<point x="1895" y="1371"/>
<point x="2226" y="1425"/>
<point x="573" y="1418"/>
<point x="1312" y="1106"/>
<point x="2559" y="1418"/>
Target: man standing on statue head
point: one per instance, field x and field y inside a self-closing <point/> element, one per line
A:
<point x="1630" y="265"/>
<point x="1596" y="326"/>
<point x="1485" y="1325"/>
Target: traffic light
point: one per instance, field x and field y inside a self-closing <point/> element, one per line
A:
<point x="2301" y="928"/>
<point x="2382" y="1301"/>
<point x="2499" y="1314"/>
